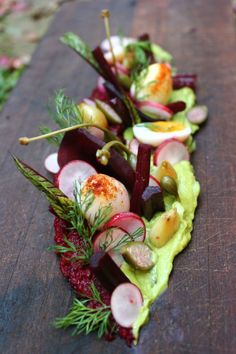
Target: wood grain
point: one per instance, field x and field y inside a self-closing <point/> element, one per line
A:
<point x="197" y="313"/>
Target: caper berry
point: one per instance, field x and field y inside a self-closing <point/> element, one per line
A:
<point x="169" y="185"/>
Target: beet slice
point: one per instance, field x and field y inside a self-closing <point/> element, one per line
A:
<point x="81" y="145"/>
<point x="106" y="270"/>
<point x="178" y="106"/>
<point x="141" y="178"/>
<point x="106" y="69"/>
<point x="185" y="80"/>
<point x="152" y="201"/>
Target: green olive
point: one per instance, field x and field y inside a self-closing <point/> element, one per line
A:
<point x="169" y="185"/>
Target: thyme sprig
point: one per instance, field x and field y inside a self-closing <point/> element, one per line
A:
<point x="86" y="319"/>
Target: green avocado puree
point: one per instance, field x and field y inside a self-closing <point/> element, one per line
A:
<point x="154" y="282"/>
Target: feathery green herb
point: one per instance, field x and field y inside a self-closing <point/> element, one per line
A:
<point x="80" y="47"/>
<point x="109" y="242"/>
<point x="64" y="112"/>
<point x="61" y="205"/>
<point x="76" y="214"/>
<point x="86" y="319"/>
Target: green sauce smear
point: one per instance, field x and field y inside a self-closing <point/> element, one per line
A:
<point x="154" y="282"/>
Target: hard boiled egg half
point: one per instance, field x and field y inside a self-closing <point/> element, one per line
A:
<point x="153" y="84"/>
<point x="155" y="133"/>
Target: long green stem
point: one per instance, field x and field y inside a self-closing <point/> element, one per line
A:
<point x="26" y="140"/>
<point x="106" y="15"/>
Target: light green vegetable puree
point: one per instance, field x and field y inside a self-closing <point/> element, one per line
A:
<point x="154" y="282"/>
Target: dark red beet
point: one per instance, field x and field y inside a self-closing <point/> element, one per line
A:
<point x="106" y="270"/>
<point x="81" y="145"/>
<point x="100" y="95"/>
<point x="185" y="80"/>
<point x="106" y="69"/>
<point x="117" y="129"/>
<point x="141" y="178"/>
<point x="177" y="106"/>
<point x="60" y="231"/>
<point x="152" y="201"/>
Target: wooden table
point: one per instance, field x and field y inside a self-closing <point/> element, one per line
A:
<point x="197" y="313"/>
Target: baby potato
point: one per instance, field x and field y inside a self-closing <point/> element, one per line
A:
<point x="91" y="114"/>
<point x="164" y="228"/>
<point x="155" y="84"/>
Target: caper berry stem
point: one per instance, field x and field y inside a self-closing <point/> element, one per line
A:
<point x="104" y="155"/>
<point x="106" y="16"/>
<point x="26" y="140"/>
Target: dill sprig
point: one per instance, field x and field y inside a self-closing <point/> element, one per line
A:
<point x="76" y="215"/>
<point x="64" y="112"/>
<point x="86" y="319"/>
<point x="111" y="243"/>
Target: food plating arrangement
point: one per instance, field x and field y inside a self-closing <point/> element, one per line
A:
<point x="123" y="192"/>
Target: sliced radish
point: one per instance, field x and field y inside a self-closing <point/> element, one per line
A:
<point x="129" y="222"/>
<point x="100" y="84"/>
<point x="126" y="302"/>
<point x="89" y="102"/>
<point x="198" y="114"/>
<point x="153" y="182"/>
<point x="110" y="238"/>
<point x="172" y="151"/>
<point x="133" y="146"/>
<point x="155" y="110"/>
<point x="109" y="112"/>
<point x="76" y="170"/>
<point x="51" y="163"/>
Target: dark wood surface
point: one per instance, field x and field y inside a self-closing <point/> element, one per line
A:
<point x="197" y="314"/>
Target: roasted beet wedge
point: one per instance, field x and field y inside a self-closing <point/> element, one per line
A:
<point x="81" y="145"/>
<point x="106" y="270"/>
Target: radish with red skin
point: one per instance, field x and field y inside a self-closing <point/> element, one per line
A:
<point x="126" y="302"/>
<point x="155" y="110"/>
<point x="153" y="182"/>
<point x="198" y="114"/>
<point x="51" y="164"/>
<point x="108" y="239"/>
<point x="74" y="171"/>
<point x="171" y="150"/>
<point x="129" y="222"/>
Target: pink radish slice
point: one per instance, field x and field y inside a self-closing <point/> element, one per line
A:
<point x="153" y="182"/>
<point x="89" y="102"/>
<point x="76" y="170"/>
<point x="133" y="146"/>
<point x="100" y="86"/>
<point x="156" y="110"/>
<point x="126" y="302"/>
<point x="198" y="114"/>
<point x="170" y="150"/>
<point x="51" y="163"/>
<point x="108" y="239"/>
<point x="129" y="222"/>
